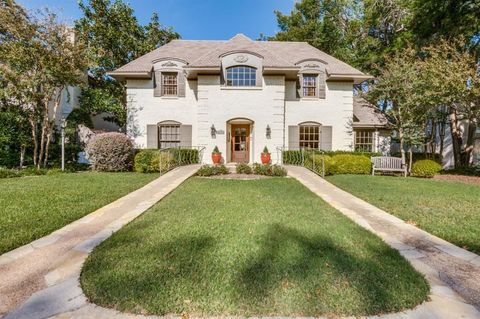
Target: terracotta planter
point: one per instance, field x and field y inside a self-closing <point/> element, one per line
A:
<point x="216" y="158"/>
<point x="265" y="158"/>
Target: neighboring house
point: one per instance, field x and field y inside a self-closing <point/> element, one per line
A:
<point x="242" y="95"/>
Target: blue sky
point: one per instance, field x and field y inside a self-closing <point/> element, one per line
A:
<point x="193" y="19"/>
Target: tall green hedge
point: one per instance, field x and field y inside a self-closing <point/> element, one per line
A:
<point x="335" y="162"/>
<point x="152" y="160"/>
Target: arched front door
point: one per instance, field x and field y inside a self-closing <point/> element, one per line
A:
<point x="240" y="143"/>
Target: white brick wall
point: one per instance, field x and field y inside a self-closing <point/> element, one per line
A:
<point x="208" y="103"/>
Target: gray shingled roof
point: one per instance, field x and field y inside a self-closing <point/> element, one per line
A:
<point x="367" y="115"/>
<point x="199" y="53"/>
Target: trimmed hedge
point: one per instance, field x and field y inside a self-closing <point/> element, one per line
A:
<point x="185" y="156"/>
<point x="148" y="160"/>
<point x="243" y="168"/>
<point x="351" y="164"/>
<point x="211" y="170"/>
<point x="338" y="162"/>
<point x="110" y="152"/>
<point x="269" y="170"/>
<point x="295" y="157"/>
<point x="315" y="164"/>
<point x="425" y="168"/>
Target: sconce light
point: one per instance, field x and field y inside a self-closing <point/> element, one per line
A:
<point x="269" y="132"/>
<point x="213" y="131"/>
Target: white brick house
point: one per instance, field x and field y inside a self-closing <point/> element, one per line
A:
<point x="242" y="95"/>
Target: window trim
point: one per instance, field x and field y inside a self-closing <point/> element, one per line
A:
<point x="309" y="125"/>
<point x="244" y="79"/>
<point x="169" y="85"/>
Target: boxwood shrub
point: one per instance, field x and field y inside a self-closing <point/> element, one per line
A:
<point x="243" y="168"/>
<point x="351" y="164"/>
<point x="269" y="170"/>
<point x="425" y="168"/>
<point x="315" y="163"/>
<point x="185" y="156"/>
<point x="148" y="161"/>
<point x="211" y="170"/>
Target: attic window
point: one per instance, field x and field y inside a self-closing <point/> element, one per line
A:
<point x="169" y="84"/>
<point x="241" y="76"/>
<point x="309" y="85"/>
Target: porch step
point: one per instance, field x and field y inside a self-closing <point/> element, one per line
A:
<point x="231" y="167"/>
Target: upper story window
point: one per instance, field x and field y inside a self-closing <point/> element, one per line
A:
<point x="169" y="84"/>
<point x="241" y="76"/>
<point x="309" y="85"/>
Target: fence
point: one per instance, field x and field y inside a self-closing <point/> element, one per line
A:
<point x="179" y="156"/>
<point x="312" y="159"/>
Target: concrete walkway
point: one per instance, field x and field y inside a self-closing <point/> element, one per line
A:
<point x="453" y="273"/>
<point x="41" y="278"/>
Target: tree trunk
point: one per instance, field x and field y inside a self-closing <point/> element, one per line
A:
<point x="410" y="159"/>
<point x="35" y="142"/>
<point x="456" y="137"/>
<point x="22" y="155"/>
<point x="402" y="144"/>
<point x="467" y="153"/>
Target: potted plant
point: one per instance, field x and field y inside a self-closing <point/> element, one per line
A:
<point x="216" y="156"/>
<point x="265" y="156"/>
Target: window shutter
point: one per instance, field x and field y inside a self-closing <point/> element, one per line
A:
<point x="181" y="81"/>
<point x="157" y="89"/>
<point x="293" y="137"/>
<point x="300" y="86"/>
<point x="258" y="77"/>
<point x="326" y="138"/>
<point x="185" y="135"/>
<point x="152" y="136"/>
<point x="321" y="85"/>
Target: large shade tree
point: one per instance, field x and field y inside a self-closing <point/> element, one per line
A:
<point x="39" y="60"/>
<point x="114" y="37"/>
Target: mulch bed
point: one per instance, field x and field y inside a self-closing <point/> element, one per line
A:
<point x="459" y="178"/>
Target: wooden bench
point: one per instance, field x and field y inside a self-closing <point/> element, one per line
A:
<point x="388" y="164"/>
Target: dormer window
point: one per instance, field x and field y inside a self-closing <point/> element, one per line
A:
<point x="169" y="84"/>
<point x="309" y="85"/>
<point x="241" y="76"/>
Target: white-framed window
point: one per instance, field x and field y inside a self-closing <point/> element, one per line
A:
<point x="309" y="136"/>
<point x="168" y="135"/>
<point x="241" y="76"/>
<point x="169" y="84"/>
<point x="364" y="140"/>
<point x="309" y="85"/>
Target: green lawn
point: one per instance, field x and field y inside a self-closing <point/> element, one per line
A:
<point x="265" y="247"/>
<point x="449" y="210"/>
<point x="32" y="207"/>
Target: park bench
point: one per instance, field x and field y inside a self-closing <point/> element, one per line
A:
<point x="388" y="164"/>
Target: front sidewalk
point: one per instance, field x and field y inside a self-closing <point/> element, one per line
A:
<point x="452" y="272"/>
<point x="46" y="271"/>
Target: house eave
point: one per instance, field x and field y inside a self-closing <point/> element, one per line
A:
<point x="122" y="75"/>
<point x="356" y="78"/>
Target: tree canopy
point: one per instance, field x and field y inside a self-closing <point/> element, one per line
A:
<point x="114" y="37"/>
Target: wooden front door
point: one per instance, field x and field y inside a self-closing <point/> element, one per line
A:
<point x="240" y="143"/>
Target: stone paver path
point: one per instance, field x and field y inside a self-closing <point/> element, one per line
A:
<point x="453" y="273"/>
<point x="42" y="277"/>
